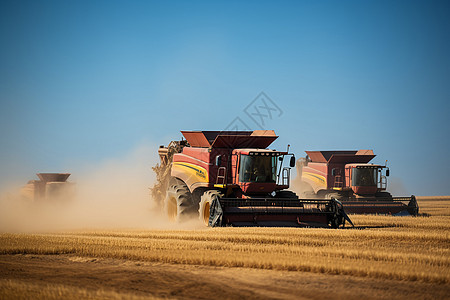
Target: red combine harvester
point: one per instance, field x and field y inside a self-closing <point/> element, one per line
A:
<point x="348" y="177"/>
<point x="231" y="178"/>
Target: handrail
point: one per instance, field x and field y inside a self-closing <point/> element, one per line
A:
<point x="223" y="176"/>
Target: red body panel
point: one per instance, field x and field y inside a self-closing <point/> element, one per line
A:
<point x="364" y="190"/>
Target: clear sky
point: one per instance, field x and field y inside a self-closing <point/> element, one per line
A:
<point x="85" y="81"/>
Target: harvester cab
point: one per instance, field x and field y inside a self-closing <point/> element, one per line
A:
<point x="232" y="178"/>
<point x="349" y="177"/>
<point x="259" y="171"/>
<point x="364" y="179"/>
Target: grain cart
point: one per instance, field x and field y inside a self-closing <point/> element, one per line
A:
<point x="231" y="178"/>
<point x="51" y="187"/>
<point x="348" y="177"/>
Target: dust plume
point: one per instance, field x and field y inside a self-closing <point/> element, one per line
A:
<point x="302" y="189"/>
<point x="111" y="194"/>
<point x="396" y="187"/>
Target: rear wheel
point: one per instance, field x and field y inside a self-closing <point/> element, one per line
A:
<point x="205" y="205"/>
<point x="178" y="204"/>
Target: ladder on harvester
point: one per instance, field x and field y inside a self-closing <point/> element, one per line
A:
<point x="221" y="175"/>
<point x="338" y="181"/>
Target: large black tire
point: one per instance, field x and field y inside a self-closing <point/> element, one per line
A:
<point x="178" y="204"/>
<point x="205" y="205"/>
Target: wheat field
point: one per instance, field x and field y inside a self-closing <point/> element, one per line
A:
<point x="387" y="247"/>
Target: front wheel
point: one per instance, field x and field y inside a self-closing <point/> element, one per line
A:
<point x="206" y="201"/>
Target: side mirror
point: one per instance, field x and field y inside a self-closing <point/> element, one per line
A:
<point x="218" y="160"/>
<point x="280" y="158"/>
<point x="292" y="162"/>
<point x="387" y="172"/>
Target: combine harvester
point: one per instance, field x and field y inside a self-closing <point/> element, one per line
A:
<point x="231" y="178"/>
<point x="52" y="187"/>
<point x="348" y="177"/>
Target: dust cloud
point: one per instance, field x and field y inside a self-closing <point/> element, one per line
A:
<point x="111" y="194"/>
<point x="396" y="187"/>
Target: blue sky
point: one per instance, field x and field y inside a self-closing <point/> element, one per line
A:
<point x="85" y="81"/>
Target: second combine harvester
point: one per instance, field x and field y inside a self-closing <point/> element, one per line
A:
<point x="231" y="178"/>
<point x="349" y="177"/>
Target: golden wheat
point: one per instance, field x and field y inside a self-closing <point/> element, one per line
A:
<point x="405" y="248"/>
<point x="15" y="289"/>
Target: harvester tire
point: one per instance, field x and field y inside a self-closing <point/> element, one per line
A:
<point x="178" y="204"/>
<point x="205" y="205"/>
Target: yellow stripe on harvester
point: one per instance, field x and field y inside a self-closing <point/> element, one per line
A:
<point x="193" y="170"/>
<point x="316" y="179"/>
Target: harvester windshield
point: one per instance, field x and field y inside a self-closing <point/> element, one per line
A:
<point x="364" y="176"/>
<point x="258" y="168"/>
